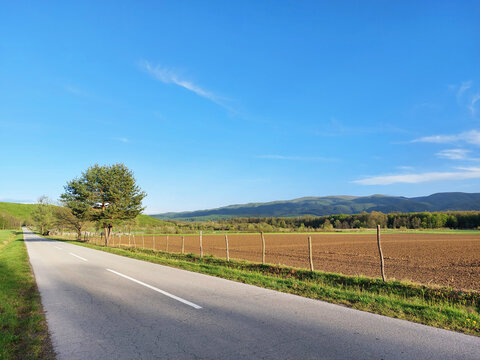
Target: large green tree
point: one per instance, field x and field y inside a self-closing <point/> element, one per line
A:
<point x="105" y="194"/>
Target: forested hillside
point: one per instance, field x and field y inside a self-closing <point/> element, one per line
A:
<point x="332" y="205"/>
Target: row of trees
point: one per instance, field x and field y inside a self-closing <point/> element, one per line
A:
<point x="62" y="218"/>
<point x="424" y="220"/>
<point x="47" y="216"/>
<point x="8" y="221"/>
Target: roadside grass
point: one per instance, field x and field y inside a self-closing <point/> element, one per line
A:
<point x="440" y="307"/>
<point x="23" y="328"/>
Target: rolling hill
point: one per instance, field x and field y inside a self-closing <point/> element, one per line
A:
<point x="24" y="212"/>
<point x="330" y="205"/>
<point x="21" y="211"/>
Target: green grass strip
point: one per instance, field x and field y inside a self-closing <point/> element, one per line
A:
<point x="440" y="307"/>
<point x="23" y="329"/>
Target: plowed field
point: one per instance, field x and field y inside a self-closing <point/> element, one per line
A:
<point x="441" y="259"/>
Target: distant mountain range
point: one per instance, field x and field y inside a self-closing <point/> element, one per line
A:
<point x="330" y="205"/>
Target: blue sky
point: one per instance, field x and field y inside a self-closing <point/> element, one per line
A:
<point x="220" y="102"/>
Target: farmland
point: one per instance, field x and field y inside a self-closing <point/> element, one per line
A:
<point x="445" y="259"/>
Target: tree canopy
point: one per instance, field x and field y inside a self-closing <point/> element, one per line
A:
<point x="105" y="194"/>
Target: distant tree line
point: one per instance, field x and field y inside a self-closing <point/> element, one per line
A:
<point x="9" y="222"/>
<point x="63" y="219"/>
<point x="423" y="220"/>
<point x="364" y="220"/>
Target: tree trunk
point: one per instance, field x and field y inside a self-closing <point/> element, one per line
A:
<point x="108" y="232"/>
<point x="79" y="233"/>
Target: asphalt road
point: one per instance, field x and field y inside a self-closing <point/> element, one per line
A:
<point x="104" y="306"/>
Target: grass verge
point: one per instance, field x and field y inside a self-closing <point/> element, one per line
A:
<point x="23" y="328"/>
<point x="440" y="307"/>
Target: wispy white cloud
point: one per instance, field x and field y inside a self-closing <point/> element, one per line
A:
<point x="469" y="137"/>
<point x="406" y="168"/>
<point x="441" y="139"/>
<point x="168" y="76"/>
<point x="473" y="101"/>
<point x="337" y="128"/>
<point x="460" y="174"/>
<point x="296" y="158"/>
<point x="454" y="154"/>
<point x="464" y="86"/>
<point x="467" y="96"/>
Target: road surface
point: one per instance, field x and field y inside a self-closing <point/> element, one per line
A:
<point x="104" y="306"/>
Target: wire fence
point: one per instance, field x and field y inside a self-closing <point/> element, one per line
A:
<point x="442" y="259"/>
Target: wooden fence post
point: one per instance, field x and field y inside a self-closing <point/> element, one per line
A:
<point x="310" y="255"/>
<point x="226" y="247"/>
<point x="134" y="242"/>
<point x="153" y="239"/>
<point x="129" y="242"/>
<point x="183" y="244"/>
<point x="382" y="265"/>
<point x="201" y="245"/>
<point x="167" y="245"/>
<point x="143" y="241"/>
<point x="263" y="248"/>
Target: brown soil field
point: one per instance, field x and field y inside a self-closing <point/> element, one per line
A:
<point x="440" y="259"/>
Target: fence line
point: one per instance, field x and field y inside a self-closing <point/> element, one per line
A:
<point x="245" y="251"/>
<point x="420" y="257"/>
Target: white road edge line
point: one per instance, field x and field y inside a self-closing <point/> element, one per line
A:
<point x="59" y="248"/>
<point x="78" y="257"/>
<point x="157" y="289"/>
